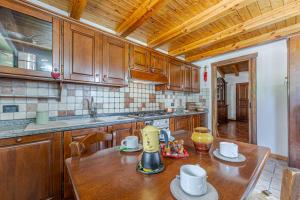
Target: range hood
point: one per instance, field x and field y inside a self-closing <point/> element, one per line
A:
<point x="147" y="77"/>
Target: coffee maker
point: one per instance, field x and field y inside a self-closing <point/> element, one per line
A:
<point x="151" y="161"/>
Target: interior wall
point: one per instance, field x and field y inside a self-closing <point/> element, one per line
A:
<point x="272" y="128"/>
<point x="232" y="80"/>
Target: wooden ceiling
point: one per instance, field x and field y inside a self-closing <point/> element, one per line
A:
<point x="196" y="29"/>
<point x="235" y="68"/>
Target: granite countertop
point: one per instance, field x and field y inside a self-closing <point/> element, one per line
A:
<point x="11" y="129"/>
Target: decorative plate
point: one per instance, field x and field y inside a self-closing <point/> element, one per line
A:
<point x="176" y="155"/>
<point x="240" y="158"/>
<point x="179" y="194"/>
<point x="125" y="149"/>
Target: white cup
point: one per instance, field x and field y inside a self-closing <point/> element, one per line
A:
<point x="229" y="149"/>
<point x="130" y="142"/>
<point x="193" y="180"/>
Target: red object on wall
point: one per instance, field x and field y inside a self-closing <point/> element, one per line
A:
<point x="205" y="74"/>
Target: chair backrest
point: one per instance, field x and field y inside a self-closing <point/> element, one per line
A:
<point x="290" y="186"/>
<point x="80" y="147"/>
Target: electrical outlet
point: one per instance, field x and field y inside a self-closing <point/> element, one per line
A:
<point x="10" y="108"/>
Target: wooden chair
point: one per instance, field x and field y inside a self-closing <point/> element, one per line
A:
<point x="290" y="187"/>
<point x="82" y="146"/>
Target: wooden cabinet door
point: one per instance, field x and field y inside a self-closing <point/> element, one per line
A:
<point x="81" y="53"/>
<point x="138" y="130"/>
<point x="30" y="167"/>
<point x="77" y="135"/>
<point x="32" y="31"/>
<point x="195" y="79"/>
<point x="115" y="61"/>
<point x="196" y="121"/>
<point x="203" y="120"/>
<point x="120" y="131"/>
<point x="140" y="58"/>
<point x="199" y="121"/>
<point x="183" y="123"/>
<point x="175" y="75"/>
<point x="157" y="63"/>
<point x="187" y="75"/>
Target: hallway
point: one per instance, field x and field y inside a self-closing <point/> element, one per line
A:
<point x="234" y="130"/>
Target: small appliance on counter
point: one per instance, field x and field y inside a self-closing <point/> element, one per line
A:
<point x="151" y="161"/>
<point x="42" y="117"/>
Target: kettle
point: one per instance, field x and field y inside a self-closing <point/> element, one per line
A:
<point x="151" y="160"/>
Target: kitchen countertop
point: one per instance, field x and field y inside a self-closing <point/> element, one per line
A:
<point x="11" y="131"/>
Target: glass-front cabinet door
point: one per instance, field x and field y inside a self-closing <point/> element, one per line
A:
<point x="29" y="43"/>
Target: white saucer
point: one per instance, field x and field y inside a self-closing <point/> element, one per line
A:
<point x="240" y="158"/>
<point x="179" y="194"/>
<point x="171" y="139"/>
<point x="125" y="149"/>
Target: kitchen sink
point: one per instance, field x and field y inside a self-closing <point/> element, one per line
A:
<point x="113" y="118"/>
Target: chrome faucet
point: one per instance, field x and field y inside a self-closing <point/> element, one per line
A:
<point x="92" y="108"/>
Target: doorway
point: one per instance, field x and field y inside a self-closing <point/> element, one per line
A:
<point x="234" y="99"/>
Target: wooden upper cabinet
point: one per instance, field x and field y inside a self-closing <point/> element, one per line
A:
<point x="82" y="55"/>
<point x="187" y="78"/>
<point x="157" y="63"/>
<point x="140" y="58"/>
<point x="175" y="75"/>
<point x="195" y="79"/>
<point x="115" y="61"/>
<point x="30" y="167"/>
<point x="30" y="43"/>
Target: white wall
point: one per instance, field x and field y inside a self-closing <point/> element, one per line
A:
<point x="272" y="129"/>
<point x="232" y="80"/>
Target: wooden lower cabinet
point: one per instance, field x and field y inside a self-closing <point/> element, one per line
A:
<point x="182" y="123"/>
<point x="222" y="114"/>
<point x="30" y="167"/>
<point x="120" y="131"/>
<point x="199" y="121"/>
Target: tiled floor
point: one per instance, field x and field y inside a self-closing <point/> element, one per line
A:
<point x="235" y="130"/>
<point x="270" y="179"/>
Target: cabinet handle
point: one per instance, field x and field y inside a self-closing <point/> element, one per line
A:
<point x="19" y="140"/>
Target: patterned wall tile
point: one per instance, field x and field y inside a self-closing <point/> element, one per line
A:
<point x="74" y="101"/>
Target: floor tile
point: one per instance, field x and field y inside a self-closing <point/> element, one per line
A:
<point x="270" y="179"/>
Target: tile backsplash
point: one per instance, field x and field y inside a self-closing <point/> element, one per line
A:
<point x="135" y="97"/>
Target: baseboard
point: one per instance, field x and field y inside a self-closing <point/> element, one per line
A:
<point x="279" y="157"/>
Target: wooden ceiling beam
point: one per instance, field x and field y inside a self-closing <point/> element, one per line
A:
<point x="222" y="74"/>
<point x="274" y="16"/>
<point x="198" y="21"/>
<point x="264" y="38"/>
<point x="235" y="69"/>
<point x="77" y="8"/>
<point x="139" y="16"/>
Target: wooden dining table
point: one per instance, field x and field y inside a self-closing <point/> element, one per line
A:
<point x="111" y="174"/>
